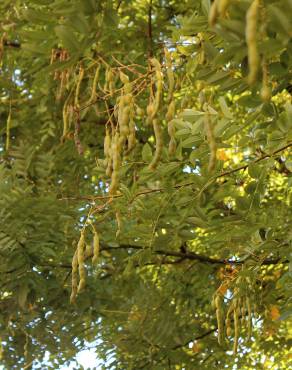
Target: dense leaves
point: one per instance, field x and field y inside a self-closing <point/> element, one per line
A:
<point x="161" y="132"/>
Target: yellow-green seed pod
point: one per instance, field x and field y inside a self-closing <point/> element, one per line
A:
<point x="74" y="281"/>
<point x="251" y="40"/>
<point x="170" y="74"/>
<point x="140" y="112"/>
<point x="94" y="86"/>
<point x="159" y="145"/>
<point x="222" y="7"/>
<point x="236" y="330"/>
<point x="124" y="78"/>
<point x="249" y="318"/>
<point x="170" y="111"/>
<point x="77" y="91"/>
<point x="81" y="262"/>
<point x="220" y="324"/>
<point x="213" y="14"/>
<point x="119" y="223"/>
<point x="96" y="247"/>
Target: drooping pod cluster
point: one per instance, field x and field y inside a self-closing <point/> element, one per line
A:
<point x="82" y="253"/>
<point x="218" y="8"/>
<point x="152" y="110"/>
<point x="171" y="107"/>
<point x="78" y="267"/>
<point x="60" y="55"/>
<point x="251" y="41"/>
<point x="125" y="112"/>
<point x="238" y="313"/>
<point x="211" y="141"/>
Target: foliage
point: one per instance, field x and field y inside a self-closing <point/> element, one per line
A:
<point x="159" y="131"/>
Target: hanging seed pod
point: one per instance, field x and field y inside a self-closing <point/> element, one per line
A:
<point x="222" y="7"/>
<point x="132" y="135"/>
<point x="94" y="86"/>
<point x="220" y="318"/>
<point x="74" y="284"/>
<point x="116" y="147"/>
<point x="124" y="78"/>
<point x="171" y="128"/>
<point x="251" y="41"/>
<point x="228" y="327"/>
<point x="140" y="112"/>
<point x="213" y="14"/>
<point x="211" y="141"/>
<point x="265" y="90"/>
<point x="150" y="113"/>
<point x="159" y="84"/>
<point x="124" y="118"/>
<point x="249" y="318"/>
<point x="107" y="147"/>
<point x="77" y="91"/>
<point x="159" y="145"/>
<point x="170" y="74"/>
<point x="81" y="262"/>
<point x="96" y="247"/>
<point x="236" y="329"/>
<point x="170" y="111"/>
<point x="119" y="223"/>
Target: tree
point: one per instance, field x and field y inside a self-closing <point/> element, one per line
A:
<point x="146" y="183"/>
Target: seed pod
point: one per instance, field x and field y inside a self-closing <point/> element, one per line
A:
<point x="211" y="141"/>
<point x="251" y="40"/>
<point x="159" y="145"/>
<point x="170" y="111"/>
<point x="159" y="83"/>
<point x="265" y="90"/>
<point x="74" y="278"/>
<point x="107" y="143"/>
<point x="150" y="112"/>
<point x="236" y="330"/>
<point x="140" y="112"/>
<point x="220" y="319"/>
<point x="170" y="74"/>
<point x="116" y="147"/>
<point x="77" y="91"/>
<point x="96" y="247"/>
<point x="213" y="14"/>
<point x="228" y="327"/>
<point x="124" y="78"/>
<point x="119" y="224"/>
<point x="132" y="135"/>
<point x="249" y="318"/>
<point x="81" y="262"/>
<point x="222" y="7"/>
<point x="94" y="85"/>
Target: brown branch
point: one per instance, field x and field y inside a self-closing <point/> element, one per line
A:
<point x="179" y="186"/>
<point x="181" y="256"/>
